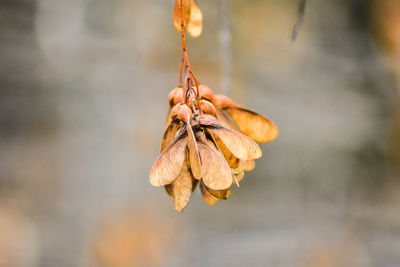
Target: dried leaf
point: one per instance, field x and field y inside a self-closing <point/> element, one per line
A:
<point x="195" y="26"/>
<point x="169" y="163"/>
<point x="182" y="189"/>
<point x="216" y="173"/>
<point x="178" y="12"/>
<point x="207" y="196"/>
<point x="254" y="125"/>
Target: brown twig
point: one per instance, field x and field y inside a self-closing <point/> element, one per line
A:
<point x="180" y="72"/>
<point x="185" y="58"/>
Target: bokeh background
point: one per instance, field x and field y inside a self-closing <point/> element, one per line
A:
<point x="83" y="88"/>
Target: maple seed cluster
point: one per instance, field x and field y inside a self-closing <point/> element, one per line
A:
<point x="202" y="144"/>
<point x="209" y="139"/>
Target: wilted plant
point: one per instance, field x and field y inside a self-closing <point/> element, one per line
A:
<point x="209" y="139"/>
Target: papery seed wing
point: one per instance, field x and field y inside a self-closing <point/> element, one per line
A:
<point x="194" y="156"/>
<point x="168" y="189"/>
<point x="220" y="194"/>
<point x="254" y="125"/>
<point x="248" y="165"/>
<point x="216" y="173"/>
<point x="194" y="184"/>
<point x="207" y="196"/>
<point x="233" y="161"/>
<point x="241" y="146"/>
<point x="169" y="163"/>
<point x="169" y="119"/>
<point x="169" y="134"/>
<point x="225" y="120"/>
<point x="182" y="189"/>
<point x="177" y="13"/>
<point x="195" y="26"/>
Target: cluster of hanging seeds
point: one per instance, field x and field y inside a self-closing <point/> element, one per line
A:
<point x="209" y="139"/>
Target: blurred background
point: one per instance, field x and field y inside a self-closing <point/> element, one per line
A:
<point x="83" y="102"/>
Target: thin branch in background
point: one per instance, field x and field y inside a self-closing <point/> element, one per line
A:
<point x="300" y="18"/>
<point x="225" y="39"/>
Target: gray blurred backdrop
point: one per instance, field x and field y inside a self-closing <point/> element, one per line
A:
<point x="83" y="102"/>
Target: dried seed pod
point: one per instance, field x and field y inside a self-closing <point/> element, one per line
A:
<point x="195" y="25"/>
<point x="179" y="96"/>
<point x="181" y="112"/>
<point x="205" y="92"/>
<point x="173" y="114"/>
<point x="177" y="14"/>
<point x="184" y="113"/>
<point x="207" y="108"/>
<point x="221" y="101"/>
<point x="171" y="95"/>
<point x="175" y="96"/>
